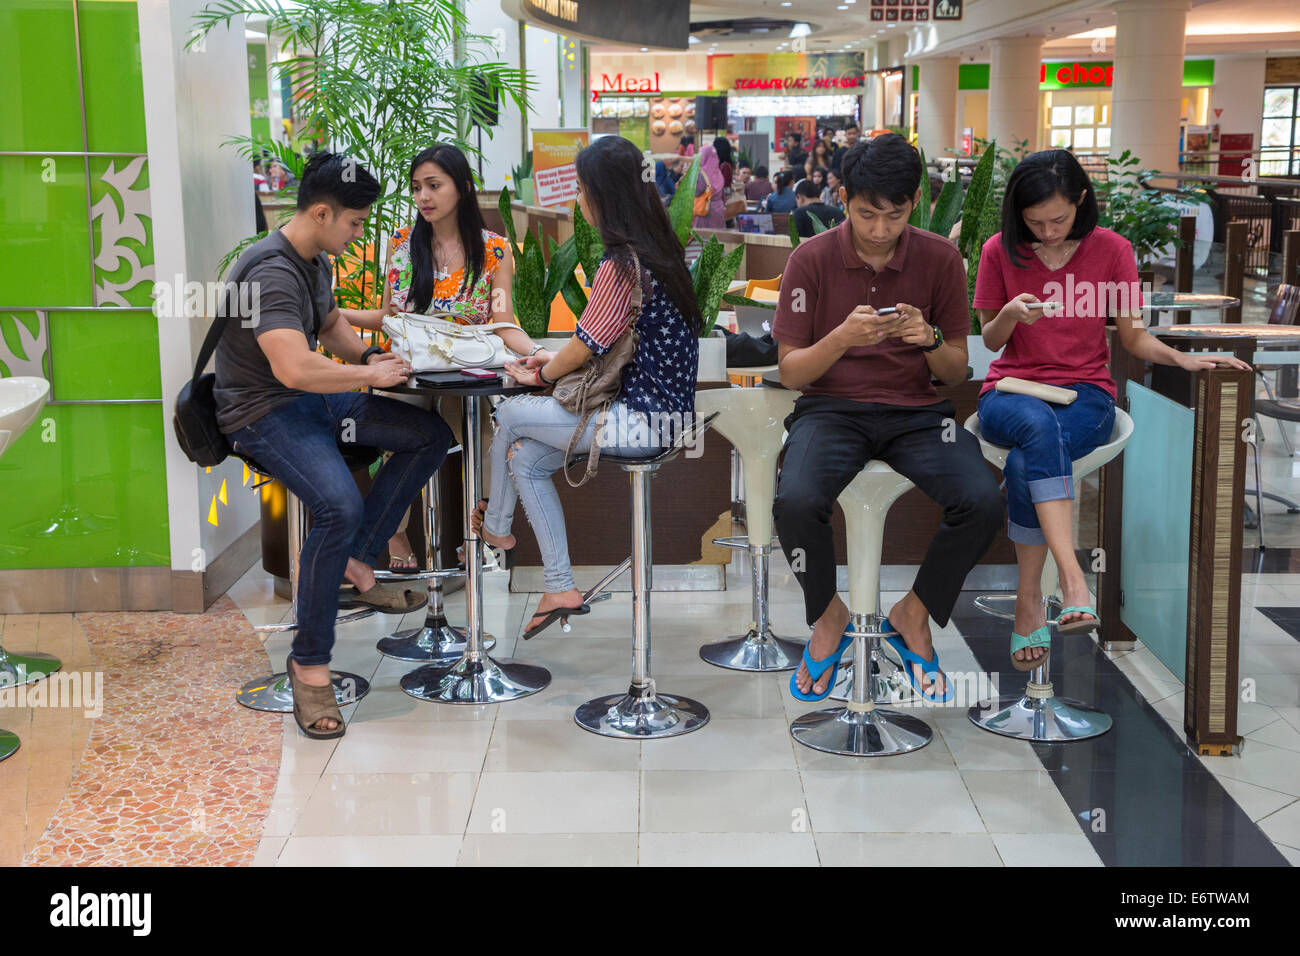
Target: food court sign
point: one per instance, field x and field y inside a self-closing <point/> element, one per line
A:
<point x="786" y="72"/>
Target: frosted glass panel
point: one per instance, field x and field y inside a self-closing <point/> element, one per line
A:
<point x="1083" y="116"/>
<point x="1061" y="115"/>
<point x="1083" y="139"/>
<point x="1157" y="525"/>
<point x="1060" y="139"/>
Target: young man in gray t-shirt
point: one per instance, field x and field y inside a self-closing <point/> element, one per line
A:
<point x="290" y="409"/>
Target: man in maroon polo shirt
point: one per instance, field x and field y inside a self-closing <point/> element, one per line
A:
<point x="867" y="393"/>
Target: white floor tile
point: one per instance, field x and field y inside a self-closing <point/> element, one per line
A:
<point x="723" y="801"/>
<point x="556" y="745"/>
<point x="728" y="849"/>
<point x="268" y="851"/>
<point x="1019" y="802"/>
<point x="292" y="791"/>
<point x="907" y="849"/>
<point x="412" y="748"/>
<point x="1257" y="802"/>
<point x="552" y="802"/>
<point x="1284" y="825"/>
<point x="927" y="801"/>
<point x="371" y="851"/>
<point x="549" y="849"/>
<point x="724" y="745"/>
<point x="1262" y="765"/>
<point x="1046" y="849"/>
<point x="388" y="804"/>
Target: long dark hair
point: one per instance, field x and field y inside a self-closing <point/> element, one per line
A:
<point x="722" y="146"/>
<point x="631" y="216"/>
<point x="783" y="180"/>
<point x="469" y="222"/>
<point x="1037" y="178"/>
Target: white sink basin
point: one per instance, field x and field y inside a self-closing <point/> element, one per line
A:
<point x="21" y="400"/>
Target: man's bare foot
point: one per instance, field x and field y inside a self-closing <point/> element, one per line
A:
<point x="825" y="638"/>
<point x="362" y="576"/>
<point x="912" y="621"/>
<point x="550" y="601"/>
<point x="1029" y="618"/>
<point x="400" y="555"/>
<point x="506" y="541"/>
<point x="315" y="675"/>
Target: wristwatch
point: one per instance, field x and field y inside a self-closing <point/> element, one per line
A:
<point x="537" y="347"/>
<point x="938" y="340"/>
<point x="373" y="350"/>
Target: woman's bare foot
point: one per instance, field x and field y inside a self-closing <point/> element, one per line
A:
<point x="1029" y="618"/>
<point x="825" y="638"/>
<point x="1074" y="592"/>
<point x="506" y="541"/>
<point x="400" y="555"/>
<point x="912" y="621"/>
<point x="315" y="675"/>
<point x="550" y="601"/>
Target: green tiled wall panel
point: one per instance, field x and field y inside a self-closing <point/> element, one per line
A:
<point x="104" y="355"/>
<point x="95" y="496"/>
<point x="41" y="106"/>
<point x="110" y="63"/>
<point x="46" y="259"/>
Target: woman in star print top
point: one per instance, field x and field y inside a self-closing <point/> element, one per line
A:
<point x="658" y="384"/>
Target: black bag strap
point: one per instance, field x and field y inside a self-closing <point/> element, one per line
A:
<point x="218" y="326"/>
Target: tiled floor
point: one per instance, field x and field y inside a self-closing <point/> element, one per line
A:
<point x="415" y="783"/>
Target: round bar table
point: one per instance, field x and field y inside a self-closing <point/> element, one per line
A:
<point x="476" y="678"/>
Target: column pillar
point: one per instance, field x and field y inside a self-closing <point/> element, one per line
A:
<point x="937" y="105"/>
<point x="1147" y="85"/>
<point x="1013" y="90"/>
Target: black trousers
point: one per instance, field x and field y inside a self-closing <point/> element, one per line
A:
<point x="832" y="439"/>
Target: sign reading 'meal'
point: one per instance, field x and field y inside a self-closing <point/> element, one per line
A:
<point x="664" y="23"/>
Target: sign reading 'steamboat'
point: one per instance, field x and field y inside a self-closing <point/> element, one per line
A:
<point x="555" y="177"/>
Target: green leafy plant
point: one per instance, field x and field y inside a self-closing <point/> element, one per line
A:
<point x="522" y="178"/>
<point x="377" y="80"/>
<point x="1146" y="217"/>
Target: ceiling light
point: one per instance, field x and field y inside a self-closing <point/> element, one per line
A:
<point x="800" y="30"/>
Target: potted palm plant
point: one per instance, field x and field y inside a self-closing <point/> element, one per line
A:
<point x="378" y="82"/>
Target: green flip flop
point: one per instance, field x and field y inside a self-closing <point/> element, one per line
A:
<point x="1040" y="638"/>
<point x="1082" y="626"/>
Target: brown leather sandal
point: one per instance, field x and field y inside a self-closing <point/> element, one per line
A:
<point x="390" y="598"/>
<point x="313" y="704"/>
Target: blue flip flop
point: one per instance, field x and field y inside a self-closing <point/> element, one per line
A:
<point x="927" y="667"/>
<point x="817" y="668"/>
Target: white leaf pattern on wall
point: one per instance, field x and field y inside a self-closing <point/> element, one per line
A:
<point x="122" y="213"/>
<point x="32" y="348"/>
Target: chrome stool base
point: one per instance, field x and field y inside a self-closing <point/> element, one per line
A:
<point x="273" y="695"/>
<point x="8" y="744"/>
<point x="16" y="669"/>
<point x="435" y="643"/>
<point x="870" y="733"/>
<point x="888" y="683"/>
<point x="754" y="652"/>
<point x="485" y="681"/>
<point x="636" y="716"/>
<point x="1043" y="720"/>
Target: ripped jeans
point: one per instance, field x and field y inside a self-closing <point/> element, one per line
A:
<point x="541" y="428"/>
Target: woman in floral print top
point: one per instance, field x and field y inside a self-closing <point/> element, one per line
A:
<point x="447" y="262"/>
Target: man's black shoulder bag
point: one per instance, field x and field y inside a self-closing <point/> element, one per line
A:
<point x="195" y="418"/>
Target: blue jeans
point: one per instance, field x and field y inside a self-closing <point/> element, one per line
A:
<point x="298" y="444"/>
<point x="542" y="427"/>
<point x="1044" y="439"/>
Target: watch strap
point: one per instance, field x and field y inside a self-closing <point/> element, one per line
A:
<point x="373" y="350"/>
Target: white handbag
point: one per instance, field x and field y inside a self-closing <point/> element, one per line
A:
<point x="433" y="344"/>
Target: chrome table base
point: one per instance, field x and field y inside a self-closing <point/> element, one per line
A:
<point x="888" y="682"/>
<point x="16" y="669"/>
<point x="273" y="694"/>
<point x="8" y="744"/>
<point x="1049" y="720"/>
<point x="639" y="714"/>
<point x="484" y="681"/>
<point x="1004" y="606"/>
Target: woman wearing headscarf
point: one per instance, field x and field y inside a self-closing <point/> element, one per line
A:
<point x="710" y="178"/>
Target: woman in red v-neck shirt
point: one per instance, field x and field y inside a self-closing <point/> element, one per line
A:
<point x="1051" y="249"/>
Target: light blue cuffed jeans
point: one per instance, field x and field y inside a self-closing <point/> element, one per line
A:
<point x="542" y="428"/>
